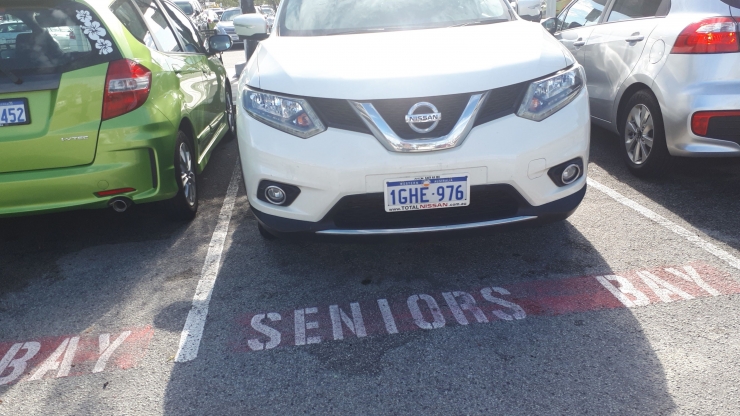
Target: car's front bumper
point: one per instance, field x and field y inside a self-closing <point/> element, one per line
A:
<point x="512" y="152"/>
<point x="691" y="83"/>
<point x="335" y="224"/>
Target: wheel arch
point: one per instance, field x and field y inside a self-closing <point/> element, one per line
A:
<point x="625" y="97"/>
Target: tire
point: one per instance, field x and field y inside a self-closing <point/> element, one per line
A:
<point x="642" y="136"/>
<point x="264" y="233"/>
<point x="184" y="206"/>
<point x="230" y="114"/>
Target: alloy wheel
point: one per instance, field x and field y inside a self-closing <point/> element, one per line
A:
<point x="639" y="134"/>
<point x="187" y="174"/>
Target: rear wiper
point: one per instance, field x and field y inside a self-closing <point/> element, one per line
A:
<point x="12" y="76"/>
<point x="481" y="22"/>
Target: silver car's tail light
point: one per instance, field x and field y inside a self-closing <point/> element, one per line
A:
<point x="289" y="114"/>
<point x="548" y="96"/>
<point x="714" y="35"/>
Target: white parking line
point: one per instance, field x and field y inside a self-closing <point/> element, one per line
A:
<point x="193" y="330"/>
<point x="705" y="245"/>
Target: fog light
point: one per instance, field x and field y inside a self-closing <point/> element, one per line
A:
<point x="275" y="195"/>
<point x="570" y="174"/>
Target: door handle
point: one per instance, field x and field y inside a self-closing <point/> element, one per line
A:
<point x="579" y="43"/>
<point x="636" y="38"/>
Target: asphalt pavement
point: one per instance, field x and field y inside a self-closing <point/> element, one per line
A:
<point x="628" y="307"/>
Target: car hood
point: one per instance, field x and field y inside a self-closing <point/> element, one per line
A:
<point x="225" y="24"/>
<point x="415" y="63"/>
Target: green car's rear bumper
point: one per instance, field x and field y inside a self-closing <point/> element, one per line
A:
<point x="134" y="151"/>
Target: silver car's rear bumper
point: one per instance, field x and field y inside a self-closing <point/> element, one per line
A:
<point x="691" y="83"/>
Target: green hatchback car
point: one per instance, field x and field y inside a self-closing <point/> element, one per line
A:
<point x="108" y="103"/>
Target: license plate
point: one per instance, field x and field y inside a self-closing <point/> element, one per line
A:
<point x="14" y="112"/>
<point x="427" y="192"/>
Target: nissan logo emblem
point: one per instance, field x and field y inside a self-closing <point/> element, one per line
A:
<point x="432" y="117"/>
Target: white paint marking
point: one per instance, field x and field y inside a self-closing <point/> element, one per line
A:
<point x="193" y="330"/>
<point x="666" y="291"/>
<point x="694" y="276"/>
<point x="390" y="322"/>
<point x="355" y="324"/>
<point x="487" y="294"/>
<point x="69" y="355"/>
<point x="19" y="364"/>
<point x="467" y="304"/>
<point x="52" y="362"/>
<point x="705" y="245"/>
<point x="419" y="320"/>
<point x="625" y="288"/>
<point x="107" y="349"/>
<point x="274" y="334"/>
<point x="301" y="326"/>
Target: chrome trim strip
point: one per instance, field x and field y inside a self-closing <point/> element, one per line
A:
<point x="428" y="229"/>
<point x="390" y="140"/>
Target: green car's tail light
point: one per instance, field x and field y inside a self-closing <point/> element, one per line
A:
<point x="127" y="87"/>
<point x="548" y="96"/>
<point x="289" y="114"/>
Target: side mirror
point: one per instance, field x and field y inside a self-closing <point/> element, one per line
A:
<point x="219" y="43"/>
<point x="252" y="26"/>
<point x="551" y="24"/>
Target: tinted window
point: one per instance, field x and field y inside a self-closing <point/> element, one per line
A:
<point x="184" y="27"/>
<point x="185" y="7"/>
<point x="583" y="13"/>
<point x="158" y="24"/>
<point x="53" y="39"/>
<point x="316" y="18"/>
<point x="229" y="15"/>
<point x="634" y="9"/>
<point x="131" y="19"/>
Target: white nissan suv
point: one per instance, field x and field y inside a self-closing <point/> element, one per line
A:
<point x="404" y="117"/>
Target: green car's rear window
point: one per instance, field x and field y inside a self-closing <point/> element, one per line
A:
<point x="56" y="37"/>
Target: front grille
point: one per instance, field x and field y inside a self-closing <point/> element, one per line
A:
<point x="339" y="114"/>
<point x="724" y="128"/>
<point x="394" y="113"/>
<point x="365" y="212"/>
<point x="230" y="30"/>
<point x="502" y="102"/>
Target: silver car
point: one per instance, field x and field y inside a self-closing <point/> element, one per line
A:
<point x="663" y="74"/>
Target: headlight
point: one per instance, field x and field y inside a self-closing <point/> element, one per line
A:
<point x="547" y="96"/>
<point x="291" y="115"/>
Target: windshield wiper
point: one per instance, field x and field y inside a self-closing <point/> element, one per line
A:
<point x="12" y="76"/>
<point x="481" y="22"/>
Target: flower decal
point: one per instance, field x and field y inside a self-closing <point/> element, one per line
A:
<point x="104" y="46"/>
<point x="94" y="31"/>
<point x="84" y="17"/>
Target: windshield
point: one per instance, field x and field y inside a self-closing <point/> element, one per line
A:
<point x="229" y="15"/>
<point x="334" y="17"/>
<point x="186" y="7"/>
<point x="53" y="39"/>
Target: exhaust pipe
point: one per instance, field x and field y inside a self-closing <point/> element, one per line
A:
<point x="120" y="204"/>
